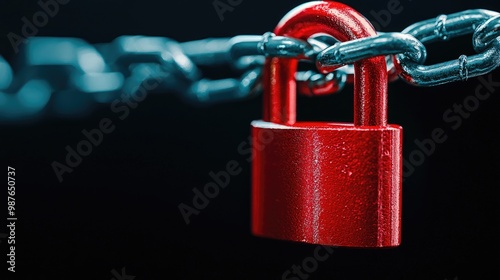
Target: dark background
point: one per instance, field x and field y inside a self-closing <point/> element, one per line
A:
<point x="119" y="207"/>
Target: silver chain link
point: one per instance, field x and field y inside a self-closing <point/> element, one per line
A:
<point x="445" y="28"/>
<point x="67" y="76"/>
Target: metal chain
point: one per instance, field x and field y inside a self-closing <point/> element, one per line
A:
<point x="67" y="76"/>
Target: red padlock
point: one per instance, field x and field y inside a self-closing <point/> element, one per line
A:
<point x="327" y="183"/>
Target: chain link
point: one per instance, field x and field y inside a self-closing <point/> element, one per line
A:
<point x="486" y="34"/>
<point x="445" y="28"/>
<point x="67" y="76"/>
<point x="382" y="44"/>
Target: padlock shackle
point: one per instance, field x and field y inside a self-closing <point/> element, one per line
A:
<point x="345" y="24"/>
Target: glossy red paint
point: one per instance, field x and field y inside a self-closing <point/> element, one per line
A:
<point x="327" y="183"/>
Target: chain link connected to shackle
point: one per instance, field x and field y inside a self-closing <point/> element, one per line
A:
<point x="66" y="76"/>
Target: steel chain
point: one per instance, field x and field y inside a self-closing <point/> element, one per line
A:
<point x="66" y="76"/>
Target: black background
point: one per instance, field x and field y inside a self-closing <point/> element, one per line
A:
<point x="119" y="207"/>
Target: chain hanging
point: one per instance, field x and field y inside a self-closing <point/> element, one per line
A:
<point x="66" y="76"/>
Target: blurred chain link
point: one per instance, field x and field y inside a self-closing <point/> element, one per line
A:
<point x="67" y="76"/>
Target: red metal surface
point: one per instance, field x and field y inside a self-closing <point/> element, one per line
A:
<point x="327" y="183"/>
<point x="328" y="88"/>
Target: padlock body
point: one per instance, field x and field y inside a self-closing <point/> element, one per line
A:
<point x="327" y="183"/>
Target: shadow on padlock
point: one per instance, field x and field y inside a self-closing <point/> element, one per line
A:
<point x="327" y="183"/>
